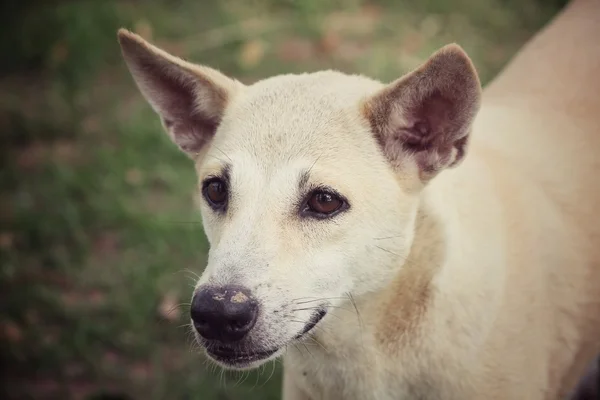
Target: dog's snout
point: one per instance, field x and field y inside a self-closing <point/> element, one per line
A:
<point x="225" y="313"/>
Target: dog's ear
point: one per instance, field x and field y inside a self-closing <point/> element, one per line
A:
<point x="426" y="115"/>
<point x="190" y="99"/>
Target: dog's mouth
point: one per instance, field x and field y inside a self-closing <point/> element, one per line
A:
<point x="314" y="320"/>
<point x="237" y="358"/>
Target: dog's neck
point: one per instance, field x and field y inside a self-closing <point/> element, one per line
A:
<point x="405" y="299"/>
<point x="451" y="227"/>
<point x="431" y="273"/>
<point x="397" y="309"/>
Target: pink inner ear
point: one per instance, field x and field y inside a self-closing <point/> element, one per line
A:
<point x="174" y="92"/>
<point x="437" y="133"/>
<point x="190" y="99"/>
<point x="169" y="89"/>
<point x="433" y="128"/>
<point x="429" y="123"/>
<point x="174" y="97"/>
<point x="193" y="133"/>
<point x="426" y="115"/>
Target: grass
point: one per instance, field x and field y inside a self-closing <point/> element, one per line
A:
<point x="99" y="239"/>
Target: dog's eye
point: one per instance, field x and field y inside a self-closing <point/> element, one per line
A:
<point x="215" y="192"/>
<point x="323" y="204"/>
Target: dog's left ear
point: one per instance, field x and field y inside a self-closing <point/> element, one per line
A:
<point x="425" y="117"/>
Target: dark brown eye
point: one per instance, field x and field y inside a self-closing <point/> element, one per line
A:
<point x="215" y="192"/>
<point x="324" y="203"/>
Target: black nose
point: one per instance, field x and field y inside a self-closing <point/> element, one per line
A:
<point x="224" y="313"/>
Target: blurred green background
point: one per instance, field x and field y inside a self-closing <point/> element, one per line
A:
<point x="99" y="239"/>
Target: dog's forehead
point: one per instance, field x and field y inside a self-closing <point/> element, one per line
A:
<point x="302" y="90"/>
<point x="291" y="117"/>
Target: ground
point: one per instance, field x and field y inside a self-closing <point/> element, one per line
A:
<point x="100" y="242"/>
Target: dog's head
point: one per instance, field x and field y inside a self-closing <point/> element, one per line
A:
<point x="308" y="184"/>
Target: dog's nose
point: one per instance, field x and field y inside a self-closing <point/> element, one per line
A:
<point x="225" y="313"/>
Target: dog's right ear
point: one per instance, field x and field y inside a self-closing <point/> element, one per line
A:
<point x="190" y="99"/>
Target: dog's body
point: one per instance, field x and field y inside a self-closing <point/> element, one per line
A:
<point x="482" y="281"/>
<point x="513" y="311"/>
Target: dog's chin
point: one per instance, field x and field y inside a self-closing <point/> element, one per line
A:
<point x="234" y="359"/>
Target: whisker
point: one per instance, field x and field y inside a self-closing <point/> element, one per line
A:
<point x="222" y="380"/>
<point x="407" y="261"/>
<point x="175" y="307"/>
<point x="272" y="373"/>
<point x="388" y="251"/>
<point x="313" y="164"/>
<point x="333" y="315"/>
<point x="318" y="343"/>
<point x="360" y="322"/>
<point x="298" y="349"/>
<point x="243" y="378"/>
<point x="388" y="237"/>
<point x="192" y="272"/>
<point x="258" y="374"/>
<point x="318" y="308"/>
<point x="222" y="152"/>
<point x="306" y="347"/>
<point x="315" y="299"/>
<point x="185" y="222"/>
<point x="237" y="382"/>
<point x="193" y="278"/>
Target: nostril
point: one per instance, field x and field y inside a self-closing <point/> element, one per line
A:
<point x="240" y="324"/>
<point x="200" y="322"/>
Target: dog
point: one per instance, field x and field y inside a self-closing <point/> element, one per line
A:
<point x="422" y="239"/>
<point x="589" y="386"/>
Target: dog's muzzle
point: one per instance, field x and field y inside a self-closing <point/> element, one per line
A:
<point x="224" y="317"/>
<point x="224" y="314"/>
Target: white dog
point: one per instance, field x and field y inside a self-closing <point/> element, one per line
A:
<point x="419" y="245"/>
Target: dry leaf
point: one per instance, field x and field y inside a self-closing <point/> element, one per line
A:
<point x="141" y="371"/>
<point x="176" y="47"/>
<point x="252" y="53"/>
<point x="50" y="339"/>
<point x="31" y="156"/>
<point x="329" y="42"/>
<point x="355" y="23"/>
<point x="65" y="151"/>
<point x="371" y="10"/>
<point x="6" y="240"/>
<point x="295" y="50"/>
<point x="111" y="357"/>
<point x="496" y="54"/>
<point x="96" y="297"/>
<point x="92" y="124"/>
<point x="169" y="307"/>
<point x="351" y="51"/>
<point x="59" y="53"/>
<point x="430" y="26"/>
<point x="412" y="42"/>
<point x="144" y="29"/>
<point x="106" y="243"/>
<point x="12" y="332"/>
<point x="74" y="370"/>
<point x="133" y="176"/>
<point x="32" y="317"/>
<point x="408" y="62"/>
<point x="69" y="299"/>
